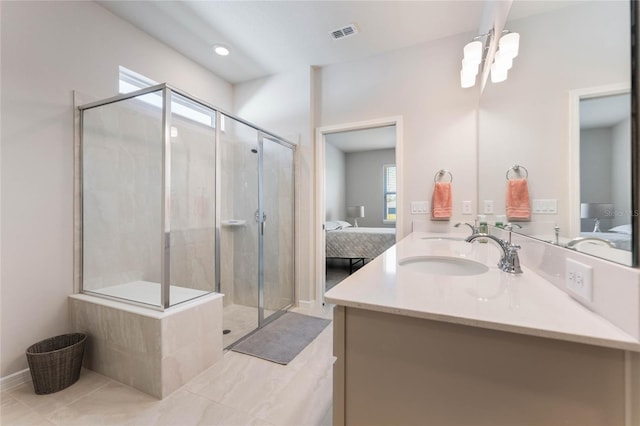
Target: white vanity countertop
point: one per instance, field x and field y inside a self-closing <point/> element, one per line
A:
<point x="524" y="303"/>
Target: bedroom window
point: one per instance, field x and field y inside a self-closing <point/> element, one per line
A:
<point x="130" y="81"/>
<point x="389" y="191"/>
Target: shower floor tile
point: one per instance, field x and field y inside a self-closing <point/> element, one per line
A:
<point x="240" y="320"/>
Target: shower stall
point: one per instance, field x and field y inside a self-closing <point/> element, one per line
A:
<point x="180" y="200"/>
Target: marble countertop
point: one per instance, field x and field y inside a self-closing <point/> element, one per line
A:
<point x="524" y="303"/>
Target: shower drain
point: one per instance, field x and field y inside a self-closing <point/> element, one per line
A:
<point x="226" y="331"/>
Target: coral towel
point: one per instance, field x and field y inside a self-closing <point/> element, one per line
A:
<point x="518" y="199"/>
<point x="441" y="203"/>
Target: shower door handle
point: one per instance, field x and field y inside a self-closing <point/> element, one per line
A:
<point x="261" y="222"/>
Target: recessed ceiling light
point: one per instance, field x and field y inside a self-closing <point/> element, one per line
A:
<point x="221" y="49"/>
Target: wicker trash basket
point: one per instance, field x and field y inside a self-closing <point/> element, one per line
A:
<point x="55" y="363"/>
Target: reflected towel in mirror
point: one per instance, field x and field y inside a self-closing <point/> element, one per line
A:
<point x="518" y="206"/>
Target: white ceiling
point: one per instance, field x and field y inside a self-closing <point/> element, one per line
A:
<point x="363" y="140"/>
<point x="269" y="37"/>
<point x="604" y="111"/>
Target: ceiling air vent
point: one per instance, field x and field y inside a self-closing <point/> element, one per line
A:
<point x="347" y="31"/>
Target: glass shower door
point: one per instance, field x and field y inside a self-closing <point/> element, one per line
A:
<point x="276" y="234"/>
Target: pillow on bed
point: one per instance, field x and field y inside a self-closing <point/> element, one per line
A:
<point x="343" y="224"/>
<point x="331" y="225"/>
<point x="622" y="229"/>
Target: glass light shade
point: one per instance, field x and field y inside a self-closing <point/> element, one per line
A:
<point x="595" y="210"/>
<point x="470" y="67"/>
<point x="498" y="74"/>
<point x="467" y="80"/>
<point x="510" y="44"/>
<point x="355" y="211"/>
<point x="473" y="51"/>
<point x="503" y="61"/>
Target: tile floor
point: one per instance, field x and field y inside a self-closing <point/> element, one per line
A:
<point x="238" y="390"/>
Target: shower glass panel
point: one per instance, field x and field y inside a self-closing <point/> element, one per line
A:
<point x="192" y="195"/>
<point x="121" y="200"/>
<point x="238" y="228"/>
<point x="278" y="253"/>
<point x="174" y="208"/>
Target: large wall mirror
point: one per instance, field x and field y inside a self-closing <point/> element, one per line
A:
<point x="563" y="116"/>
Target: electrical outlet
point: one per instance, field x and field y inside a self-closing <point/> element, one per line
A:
<point x="419" y="207"/>
<point x="578" y="279"/>
<point x="488" y="206"/>
<point x="466" y="207"/>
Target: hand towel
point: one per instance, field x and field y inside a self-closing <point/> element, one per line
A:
<point x="441" y="203"/>
<point x="518" y="199"/>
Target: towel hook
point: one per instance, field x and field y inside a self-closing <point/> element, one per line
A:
<point x="516" y="169"/>
<point x="442" y="172"/>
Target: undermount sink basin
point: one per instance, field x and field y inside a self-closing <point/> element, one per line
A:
<point x="439" y="265"/>
<point x="443" y="238"/>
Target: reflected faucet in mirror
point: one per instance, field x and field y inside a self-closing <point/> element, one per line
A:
<point x="574" y="243"/>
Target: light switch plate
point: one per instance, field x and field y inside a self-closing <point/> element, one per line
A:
<point x="488" y="206"/>
<point x="419" y="207"/>
<point x="545" y="206"/>
<point x="579" y="280"/>
<point x="466" y="207"/>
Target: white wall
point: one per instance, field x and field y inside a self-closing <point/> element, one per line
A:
<point x="596" y="185"/>
<point x="49" y="49"/>
<point x="334" y="177"/>
<point x="525" y="119"/>
<point x="421" y="84"/>
<point x="621" y="172"/>
<point x="282" y="104"/>
<point x="365" y="184"/>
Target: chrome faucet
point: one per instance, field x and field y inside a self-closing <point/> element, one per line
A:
<point x="509" y="262"/>
<point x="474" y="229"/>
<point x="600" y="241"/>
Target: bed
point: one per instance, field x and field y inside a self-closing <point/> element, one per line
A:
<point x="618" y="235"/>
<point x="356" y="244"/>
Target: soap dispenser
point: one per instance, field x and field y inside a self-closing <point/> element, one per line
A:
<point x="483" y="228"/>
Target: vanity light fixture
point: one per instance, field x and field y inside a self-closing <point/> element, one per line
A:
<point x="508" y="48"/>
<point x="470" y="62"/>
<point x="474" y="55"/>
<point x="221" y="49"/>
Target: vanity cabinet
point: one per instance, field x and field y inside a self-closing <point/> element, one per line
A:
<point x="400" y="370"/>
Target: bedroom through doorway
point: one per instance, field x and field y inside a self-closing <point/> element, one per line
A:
<point x="360" y="198"/>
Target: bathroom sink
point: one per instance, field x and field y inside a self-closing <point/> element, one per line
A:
<point x="440" y="265"/>
<point x="443" y="238"/>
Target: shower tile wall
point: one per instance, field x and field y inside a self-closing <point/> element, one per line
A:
<point x="122" y="149"/>
<point x="227" y="171"/>
<point x="239" y="201"/>
<point x="278" y="173"/>
<point x="121" y="189"/>
<point x="192" y="205"/>
<point x="245" y="204"/>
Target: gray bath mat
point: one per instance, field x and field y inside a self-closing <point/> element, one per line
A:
<point x="283" y="339"/>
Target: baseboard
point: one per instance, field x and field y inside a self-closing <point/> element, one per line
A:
<point x="14" y="380"/>
<point x="314" y="308"/>
<point x="306" y="305"/>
